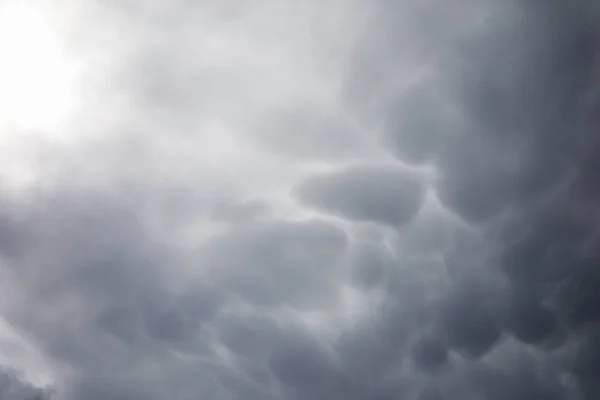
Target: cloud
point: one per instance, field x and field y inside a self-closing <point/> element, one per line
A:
<point x="366" y="193"/>
<point x="430" y="353"/>
<point x="472" y="318"/>
<point x="277" y="262"/>
<point x="239" y="211"/>
<point x="221" y="219"/>
<point x="13" y="387"/>
<point x="309" y="132"/>
<point x="505" y="114"/>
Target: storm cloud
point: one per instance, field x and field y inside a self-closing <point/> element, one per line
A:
<point x="367" y="193"/>
<point x="325" y="200"/>
<point x="13" y="387"/>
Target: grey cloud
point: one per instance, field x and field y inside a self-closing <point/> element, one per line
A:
<point x="275" y="262"/>
<point x="585" y="363"/>
<point x="543" y="250"/>
<point x="504" y="113"/>
<point x="239" y="212"/>
<point x="108" y="389"/>
<point x="417" y="130"/>
<point x="430" y="353"/>
<point x="132" y="306"/>
<point x="534" y="68"/>
<point x="143" y="290"/>
<point x="527" y="317"/>
<point x="370" y="264"/>
<point x="96" y="294"/>
<point x="399" y="44"/>
<point x="518" y="383"/>
<point x="366" y="193"/>
<point x="14" y="387"/>
<point x="248" y="336"/>
<point x="433" y="232"/>
<point x="537" y="75"/>
<point x="365" y="352"/>
<point x="472" y="318"/>
<point x="283" y="354"/>
<point x="303" y="365"/>
<point x="301" y="131"/>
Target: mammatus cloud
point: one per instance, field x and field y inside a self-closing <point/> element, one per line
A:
<point x="366" y="193"/>
<point x="325" y="200"/>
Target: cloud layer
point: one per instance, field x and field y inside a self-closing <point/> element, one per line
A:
<point x="324" y="200"/>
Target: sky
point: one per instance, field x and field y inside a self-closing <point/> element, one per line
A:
<point x="289" y="200"/>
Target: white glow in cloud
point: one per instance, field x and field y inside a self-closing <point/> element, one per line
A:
<point x="36" y="78"/>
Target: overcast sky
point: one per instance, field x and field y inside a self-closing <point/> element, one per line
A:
<point x="290" y="200"/>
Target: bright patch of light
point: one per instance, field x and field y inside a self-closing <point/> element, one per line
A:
<point x="36" y="79"/>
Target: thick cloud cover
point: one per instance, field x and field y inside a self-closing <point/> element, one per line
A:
<point x="309" y="200"/>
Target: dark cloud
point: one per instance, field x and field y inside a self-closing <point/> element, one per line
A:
<point x="490" y="108"/>
<point x="486" y="287"/>
<point x="518" y="382"/>
<point x="134" y="304"/>
<point x="520" y="97"/>
<point x="586" y="364"/>
<point x="527" y="318"/>
<point x="430" y="353"/>
<point x="109" y="388"/>
<point x="370" y="264"/>
<point x="368" y="193"/>
<point x="472" y="317"/>
<point x="248" y="336"/>
<point x="303" y="365"/>
<point x="414" y="133"/>
<point x="276" y="262"/>
<point x="506" y="111"/>
<point x="96" y="254"/>
<point x="15" y="387"/>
